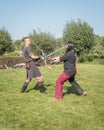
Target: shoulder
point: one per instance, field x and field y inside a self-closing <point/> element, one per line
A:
<point x="26" y="48"/>
<point x="70" y="53"/>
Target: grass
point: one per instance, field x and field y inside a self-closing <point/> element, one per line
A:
<point x="35" y="111"/>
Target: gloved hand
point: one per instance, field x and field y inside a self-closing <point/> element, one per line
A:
<point x="56" y="59"/>
<point x="42" y="57"/>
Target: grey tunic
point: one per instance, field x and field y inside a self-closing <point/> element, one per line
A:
<point x="33" y="71"/>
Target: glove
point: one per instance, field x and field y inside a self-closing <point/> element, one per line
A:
<point x="42" y="57"/>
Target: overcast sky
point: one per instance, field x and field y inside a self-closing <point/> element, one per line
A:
<point x="20" y="17"/>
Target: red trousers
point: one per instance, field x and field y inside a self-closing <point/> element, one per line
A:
<point x="59" y="85"/>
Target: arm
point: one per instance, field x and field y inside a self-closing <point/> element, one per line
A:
<point x="65" y="57"/>
<point x="34" y="57"/>
<point x="61" y="59"/>
<point x="31" y="54"/>
<point x="56" y="59"/>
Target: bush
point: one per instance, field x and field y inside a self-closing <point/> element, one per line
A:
<point x="10" y="61"/>
<point x="100" y="60"/>
<point x="11" y="54"/>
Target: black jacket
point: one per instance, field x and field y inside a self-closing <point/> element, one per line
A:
<point x="69" y="60"/>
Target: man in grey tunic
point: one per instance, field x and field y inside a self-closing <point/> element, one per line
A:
<point x="31" y="68"/>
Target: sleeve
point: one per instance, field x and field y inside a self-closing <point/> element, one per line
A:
<point x="65" y="57"/>
<point x="29" y="52"/>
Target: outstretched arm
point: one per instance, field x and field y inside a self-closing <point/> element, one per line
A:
<point x="34" y="57"/>
<point x="56" y="59"/>
<point x="62" y="58"/>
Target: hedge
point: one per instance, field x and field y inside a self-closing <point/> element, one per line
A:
<point x="10" y="61"/>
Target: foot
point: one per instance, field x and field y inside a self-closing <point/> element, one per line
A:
<point x="58" y="99"/>
<point x="23" y="89"/>
<point x="84" y="93"/>
<point x="43" y="90"/>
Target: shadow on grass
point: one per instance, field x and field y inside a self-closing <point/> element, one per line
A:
<point x="70" y="90"/>
<point x="37" y="88"/>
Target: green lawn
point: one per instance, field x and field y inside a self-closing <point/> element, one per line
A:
<point x="35" y="111"/>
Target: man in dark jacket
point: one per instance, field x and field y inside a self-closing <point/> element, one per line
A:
<point x="69" y="73"/>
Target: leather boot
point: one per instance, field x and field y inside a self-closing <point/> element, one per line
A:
<point x="41" y="87"/>
<point x="24" y="87"/>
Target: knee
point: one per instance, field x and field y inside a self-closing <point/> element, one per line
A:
<point x="28" y="80"/>
<point x="58" y="81"/>
<point x="39" y="79"/>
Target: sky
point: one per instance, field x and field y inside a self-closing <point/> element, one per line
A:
<point x="21" y="17"/>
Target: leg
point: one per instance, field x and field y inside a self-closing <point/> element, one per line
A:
<point x="40" y="84"/>
<point x="25" y="85"/>
<point x="77" y="86"/>
<point x="59" y="85"/>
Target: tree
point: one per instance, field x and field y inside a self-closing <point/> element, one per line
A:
<point x="102" y="42"/>
<point x="42" y="41"/>
<point x="5" y="42"/>
<point x="18" y="47"/>
<point x="97" y="40"/>
<point x="97" y="51"/>
<point x="59" y="44"/>
<point x="17" y="44"/>
<point x="81" y="34"/>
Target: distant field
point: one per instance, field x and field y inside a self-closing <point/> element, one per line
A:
<point x="35" y="111"/>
